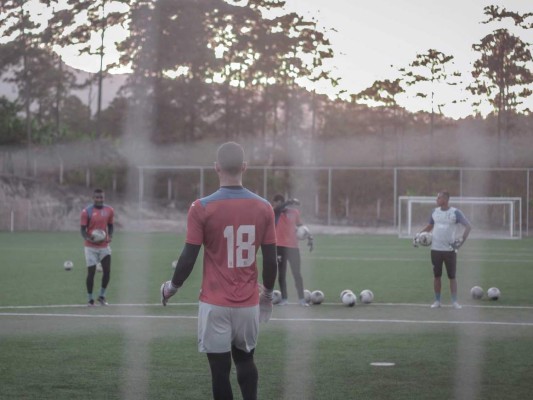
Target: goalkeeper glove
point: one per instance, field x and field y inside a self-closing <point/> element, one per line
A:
<point x="416" y="240"/>
<point x="310" y="243"/>
<point x="456" y="245"/>
<point x="167" y="291"/>
<point x="265" y="304"/>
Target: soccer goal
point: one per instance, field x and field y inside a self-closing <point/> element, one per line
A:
<point x="491" y="217"/>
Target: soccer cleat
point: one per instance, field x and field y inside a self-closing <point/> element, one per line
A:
<point x="102" y="301"/>
<point x="283" y="302"/>
<point x="303" y="303"/>
<point x="456" y="305"/>
<point x="436" y="304"/>
<point x="90" y="303"/>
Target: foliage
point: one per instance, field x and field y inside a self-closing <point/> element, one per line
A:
<point x="11" y="126"/>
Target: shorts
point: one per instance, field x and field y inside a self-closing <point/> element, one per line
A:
<point x="94" y="255"/>
<point x="219" y="328"/>
<point x="449" y="258"/>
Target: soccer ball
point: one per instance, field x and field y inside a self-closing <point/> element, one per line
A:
<point x="302" y="232"/>
<point x="307" y="296"/>
<point x="174" y="263"/>
<point x="425" y="239"/>
<point x="366" y="296"/>
<point x="349" y="299"/>
<point x="68" y="265"/>
<point x="476" y="292"/>
<point x="99" y="268"/>
<point x="98" y="235"/>
<point x="493" y="293"/>
<point x="276" y="297"/>
<point x="317" y="297"/>
<point x="344" y="292"/>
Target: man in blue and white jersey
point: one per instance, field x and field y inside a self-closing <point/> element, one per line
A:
<point x="443" y="225"/>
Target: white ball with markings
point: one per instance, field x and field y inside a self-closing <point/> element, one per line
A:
<point x="493" y="293"/>
<point x="317" y="297"/>
<point x="366" y="296"/>
<point x="302" y="232"/>
<point x="68" y="265"/>
<point x="349" y="299"/>
<point x="476" y="292"/>
<point x="98" y="235"/>
<point x="307" y="296"/>
<point x="344" y="292"/>
<point x="276" y="296"/>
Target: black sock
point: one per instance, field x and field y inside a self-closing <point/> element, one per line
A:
<point x="247" y="374"/>
<point x="220" y="364"/>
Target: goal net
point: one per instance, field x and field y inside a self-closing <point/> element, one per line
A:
<point x="491" y="217"/>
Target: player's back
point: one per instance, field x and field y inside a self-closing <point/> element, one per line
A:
<point x="232" y="223"/>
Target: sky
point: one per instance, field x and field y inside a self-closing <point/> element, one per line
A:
<point x="372" y="39"/>
<point x="375" y="38"/>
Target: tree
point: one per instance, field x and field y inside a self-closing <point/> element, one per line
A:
<point x="21" y="57"/>
<point x="502" y="75"/>
<point x="428" y="73"/>
<point x="11" y="126"/>
<point x="384" y="95"/>
<point x="495" y="13"/>
<point x="83" y="24"/>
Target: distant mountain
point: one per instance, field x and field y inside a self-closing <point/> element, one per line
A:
<point x="111" y="86"/>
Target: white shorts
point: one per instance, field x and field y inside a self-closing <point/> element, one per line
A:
<point x="221" y="327"/>
<point x="93" y="255"/>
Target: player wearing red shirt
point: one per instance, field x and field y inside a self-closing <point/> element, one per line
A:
<point x="97" y="216"/>
<point x="231" y="224"/>
<point x="287" y="220"/>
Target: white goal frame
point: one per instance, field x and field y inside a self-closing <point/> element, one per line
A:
<point x="513" y="219"/>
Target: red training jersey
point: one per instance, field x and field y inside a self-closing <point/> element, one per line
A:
<point x="232" y="224"/>
<point x="97" y="218"/>
<point x="286" y="225"/>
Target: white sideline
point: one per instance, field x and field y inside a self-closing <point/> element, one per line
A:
<point x="327" y="320"/>
<point x="422" y="305"/>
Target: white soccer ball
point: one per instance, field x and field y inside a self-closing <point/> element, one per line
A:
<point x="98" y="235"/>
<point x="493" y="293"/>
<point x="68" y="265"/>
<point x="349" y="299"/>
<point x="476" y="292"/>
<point x="344" y="292"/>
<point x="317" y="297"/>
<point x="99" y="268"/>
<point x="366" y="296"/>
<point x="276" y="297"/>
<point x="307" y="296"/>
<point x="173" y="264"/>
<point x="302" y="232"/>
<point x="425" y="238"/>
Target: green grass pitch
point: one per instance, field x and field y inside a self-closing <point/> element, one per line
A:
<point x="53" y="347"/>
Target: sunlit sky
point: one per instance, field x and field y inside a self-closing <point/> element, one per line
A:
<point x="373" y="39"/>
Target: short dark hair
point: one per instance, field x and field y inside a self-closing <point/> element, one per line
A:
<point x="445" y="193"/>
<point x="278" y="197"/>
<point x="98" y="191"/>
<point x="230" y="157"/>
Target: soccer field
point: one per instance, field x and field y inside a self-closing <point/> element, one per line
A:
<point x="54" y="347"/>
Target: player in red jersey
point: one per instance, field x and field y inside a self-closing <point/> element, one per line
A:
<point x="97" y="216"/>
<point x="231" y="224"/>
<point x="287" y="221"/>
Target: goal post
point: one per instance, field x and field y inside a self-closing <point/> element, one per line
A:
<point x="491" y="217"/>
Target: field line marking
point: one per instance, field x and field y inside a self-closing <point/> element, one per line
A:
<point x="423" y="305"/>
<point x="327" y="320"/>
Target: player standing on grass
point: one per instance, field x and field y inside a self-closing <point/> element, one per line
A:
<point x="97" y="216"/>
<point x="444" y="245"/>
<point x="287" y="221"/>
<point x="231" y="224"/>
